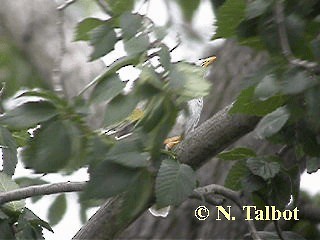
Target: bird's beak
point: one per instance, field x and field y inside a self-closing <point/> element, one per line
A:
<point x="208" y="61"/>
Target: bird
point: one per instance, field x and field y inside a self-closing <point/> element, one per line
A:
<point x="185" y="123"/>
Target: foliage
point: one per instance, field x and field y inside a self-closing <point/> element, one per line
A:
<point x="285" y="96"/>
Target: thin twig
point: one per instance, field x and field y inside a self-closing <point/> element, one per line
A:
<point x="104" y="6"/>
<point x="284" y="41"/>
<point x="234" y="197"/>
<point x="39" y="190"/>
<point x="66" y="4"/>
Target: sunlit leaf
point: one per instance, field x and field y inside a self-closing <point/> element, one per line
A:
<point x="272" y="122"/>
<point x="130" y="24"/>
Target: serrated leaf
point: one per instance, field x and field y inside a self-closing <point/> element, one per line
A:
<point x="9" y="151"/>
<point x="237" y="154"/>
<point x="7" y="184"/>
<point x="256" y="8"/>
<point x="272" y="123"/>
<point x="28" y="115"/>
<point x="313" y="164"/>
<point x="236" y="174"/>
<point x="263" y="167"/>
<point x="230" y="14"/>
<point x="103" y="39"/>
<point x="107" y="88"/>
<point x="137" y="45"/>
<point x="130" y="24"/>
<point x="57" y="209"/>
<point x="248" y="104"/>
<point x="268" y="87"/>
<point x="119" y="108"/>
<point x="174" y="183"/>
<point x="84" y="28"/>
<point x="108" y="179"/>
<point x="50" y="149"/>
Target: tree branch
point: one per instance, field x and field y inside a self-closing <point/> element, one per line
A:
<point x="207" y="140"/>
<point x="45" y="189"/>
<point x="284" y="41"/>
<point x="234" y="197"/>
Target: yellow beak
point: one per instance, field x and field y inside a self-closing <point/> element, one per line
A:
<point x="207" y="61"/>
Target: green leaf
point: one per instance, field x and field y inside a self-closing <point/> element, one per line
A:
<point x="34" y="219"/>
<point x="230" y="14"/>
<point x="263" y="167"/>
<point x="9" y="151"/>
<point x="117" y="7"/>
<point x="7" y="184"/>
<point x="237" y="173"/>
<point x="108" y="179"/>
<point x="130" y="24"/>
<point x="252" y="183"/>
<point x="188" y="8"/>
<point x="119" y="108"/>
<point x="138" y="196"/>
<point x="50" y="149"/>
<point x="272" y="122"/>
<point x="137" y="45"/>
<point x="57" y="209"/>
<point x="174" y="183"/>
<point x="165" y="57"/>
<point x="130" y="159"/>
<point x="45" y="95"/>
<point x="188" y="80"/>
<point x="267" y="88"/>
<point x="237" y="154"/>
<point x="281" y="191"/>
<point x="103" y="39"/>
<point x="248" y="104"/>
<point x="256" y="8"/>
<point x="313" y="164"/>
<point x="28" y="115"/>
<point x="296" y="82"/>
<point x="6" y="229"/>
<point x="84" y="28"/>
<point x="107" y="88"/>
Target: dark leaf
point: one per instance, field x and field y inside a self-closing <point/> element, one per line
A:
<point x="256" y="8"/>
<point x="50" y="149"/>
<point x="237" y="154"/>
<point x="263" y="167"/>
<point x="108" y="179"/>
<point x="57" y="209"/>
<point x="84" y="28"/>
<point x="9" y="151"/>
<point x="229" y="16"/>
<point x="107" y="88"/>
<point x="248" y="104"/>
<point x="237" y="173"/>
<point x="281" y="191"/>
<point x="174" y="183"/>
<point x="103" y="39"/>
<point x="120" y="108"/>
<point x="28" y="115"/>
<point x="313" y="164"/>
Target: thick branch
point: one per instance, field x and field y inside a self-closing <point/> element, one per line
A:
<point x="207" y="140"/>
<point x="38" y="190"/>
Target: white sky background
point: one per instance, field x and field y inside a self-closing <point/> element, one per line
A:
<point x="190" y="51"/>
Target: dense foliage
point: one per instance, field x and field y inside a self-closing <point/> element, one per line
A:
<point x="284" y="93"/>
